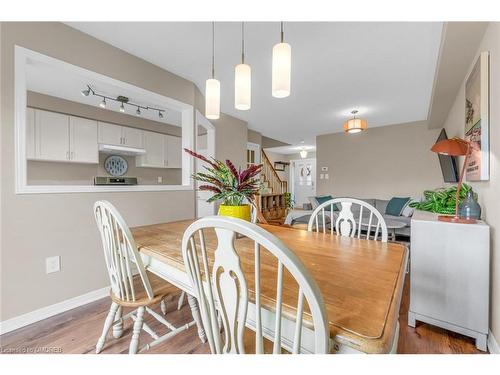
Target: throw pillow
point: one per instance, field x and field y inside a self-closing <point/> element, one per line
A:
<point x="325" y="198"/>
<point x="407" y="210"/>
<point x="396" y="205"/>
<point x="313" y="201"/>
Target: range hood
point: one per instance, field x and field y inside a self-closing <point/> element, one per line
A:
<point x="120" y="150"/>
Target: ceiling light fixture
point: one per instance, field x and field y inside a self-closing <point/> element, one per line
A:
<point x="355" y="125"/>
<point x="212" y="88"/>
<point x="122" y="100"/>
<point x="303" y="152"/>
<point x="242" y="79"/>
<point x="282" y="68"/>
<point x="160" y="114"/>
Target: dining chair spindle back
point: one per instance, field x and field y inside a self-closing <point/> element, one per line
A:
<point x="221" y="287"/>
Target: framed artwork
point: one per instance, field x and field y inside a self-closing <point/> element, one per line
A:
<point x="477" y="120"/>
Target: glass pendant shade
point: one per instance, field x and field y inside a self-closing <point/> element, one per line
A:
<point x="355" y="125"/>
<point x="242" y="87"/>
<point x="282" y="68"/>
<point x="212" y="99"/>
<point x="303" y="154"/>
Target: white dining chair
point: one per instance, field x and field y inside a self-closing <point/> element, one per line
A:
<point x="349" y="217"/>
<point x="137" y="289"/>
<point x="220" y="286"/>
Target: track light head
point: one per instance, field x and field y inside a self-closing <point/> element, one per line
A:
<point x="160" y="114"/>
<point x="103" y="103"/>
<point x="138" y="112"/>
<point x="86" y="92"/>
<point x="122" y="108"/>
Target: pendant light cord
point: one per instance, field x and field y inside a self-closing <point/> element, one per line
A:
<point x="243" y="42"/>
<point x="282" y="33"/>
<point x="213" y="49"/>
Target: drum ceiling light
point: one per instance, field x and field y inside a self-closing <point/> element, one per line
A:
<point x="355" y="125"/>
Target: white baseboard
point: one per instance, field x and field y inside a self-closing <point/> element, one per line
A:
<point x="493" y="346"/>
<point x="48" y="311"/>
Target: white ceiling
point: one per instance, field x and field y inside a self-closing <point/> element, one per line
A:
<point x="384" y="69"/>
<point x="67" y="84"/>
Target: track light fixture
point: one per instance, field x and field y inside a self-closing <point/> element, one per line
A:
<point x="122" y="100"/>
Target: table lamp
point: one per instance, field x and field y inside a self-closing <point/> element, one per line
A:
<point x="455" y="147"/>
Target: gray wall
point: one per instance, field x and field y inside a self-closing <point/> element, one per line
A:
<point x="35" y="226"/>
<point x="381" y="162"/>
<point x="488" y="191"/>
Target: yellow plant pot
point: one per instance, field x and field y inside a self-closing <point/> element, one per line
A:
<point x="240" y="212"/>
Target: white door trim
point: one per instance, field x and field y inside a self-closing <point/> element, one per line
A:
<point x="255" y="147"/>
<point x="200" y="119"/>
<point x="21" y="58"/>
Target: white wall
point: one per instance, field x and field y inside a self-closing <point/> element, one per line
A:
<point x="489" y="191"/>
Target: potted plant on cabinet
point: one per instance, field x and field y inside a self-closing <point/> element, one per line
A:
<point x="235" y="188"/>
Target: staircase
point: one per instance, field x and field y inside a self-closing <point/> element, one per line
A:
<point x="271" y="200"/>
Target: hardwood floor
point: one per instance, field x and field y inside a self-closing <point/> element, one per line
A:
<point x="77" y="331"/>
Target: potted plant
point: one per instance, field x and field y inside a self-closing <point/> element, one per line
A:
<point x="235" y="188"/>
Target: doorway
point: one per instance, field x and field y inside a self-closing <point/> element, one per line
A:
<point x="205" y="145"/>
<point x="303" y="180"/>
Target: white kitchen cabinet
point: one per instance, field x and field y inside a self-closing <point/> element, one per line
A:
<point x="162" y="151"/>
<point x="111" y="134"/>
<point x="154" y="156"/>
<point x="83" y="140"/>
<point x="30" y="133"/>
<point x="133" y="137"/>
<point x="54" y="136"/>
<point x="173" y="152"/>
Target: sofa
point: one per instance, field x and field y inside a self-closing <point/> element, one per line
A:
<point x="301" y="217"/>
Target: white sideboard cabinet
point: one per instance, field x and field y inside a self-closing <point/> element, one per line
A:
<point x="449" y="276"/>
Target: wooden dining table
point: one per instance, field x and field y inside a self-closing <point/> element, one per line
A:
<point x="361" y="281"/>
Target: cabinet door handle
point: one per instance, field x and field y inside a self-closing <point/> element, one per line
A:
<point x="67" y="155"/>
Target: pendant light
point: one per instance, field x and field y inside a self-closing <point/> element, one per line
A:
<point x="355" y="125"/>
<point x="103" y="103"/>
<point x="212" y="88"/>
<point x="242" y="79"/>
<point x="282" y="67"/>
<point x="303" y="151"/>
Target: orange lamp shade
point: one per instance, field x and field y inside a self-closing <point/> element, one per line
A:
<point x="355" y="125"/>
<point x="452" y="147"/>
